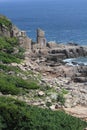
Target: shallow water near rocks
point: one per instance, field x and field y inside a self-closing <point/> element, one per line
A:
<point x="76" y="61"/>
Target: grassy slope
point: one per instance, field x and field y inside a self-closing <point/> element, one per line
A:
<point x="16" y="115"/>
<point x="5" y="22"/>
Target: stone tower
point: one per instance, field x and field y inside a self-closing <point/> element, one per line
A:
<point x="41" y="40"/>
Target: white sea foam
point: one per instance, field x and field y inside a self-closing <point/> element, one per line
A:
<point x="76" y="61"/>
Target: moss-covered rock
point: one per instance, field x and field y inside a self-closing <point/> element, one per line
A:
<point x="5" y="22"/>
<point x="5" y="26"/>
<point x="7" y="50"/>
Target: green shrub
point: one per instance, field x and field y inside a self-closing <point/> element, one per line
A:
<point x="19" y="82"/>
<point x="2" y="123"/>
<point x="48" y="104"/>
<point x="60" y="98"/>
<point x="12" y="41"/>
<point x="20" y="54"/>
<point x="7" y="68"/>
<point x="16" y="115"/>
<point x="33" y="85"/>
<point x="6" y="22"/>
<point x="3" y="43"/>
<point x="8" y="58"/>
<point x="64" y="91"/>
<point x="7" y="87"/>
<point x="7" y="50"/>
<point x="14" y="85"/>
<point x="21" y="50"/>
<point x="8" y="42"/>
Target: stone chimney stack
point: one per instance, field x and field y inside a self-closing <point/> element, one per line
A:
<point x="41" y="40"/>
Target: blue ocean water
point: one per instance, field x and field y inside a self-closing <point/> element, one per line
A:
<point x="76" y="61"/>
<point x="63" y="20"/>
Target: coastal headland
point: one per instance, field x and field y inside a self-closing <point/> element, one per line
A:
<point x="64" y="85"/>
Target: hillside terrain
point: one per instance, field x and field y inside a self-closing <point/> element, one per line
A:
<point x="34" y="94"/>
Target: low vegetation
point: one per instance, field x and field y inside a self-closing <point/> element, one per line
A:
<point x="8" y="58"/>
<point x="16" y="115"/>
<point x="9" y="50"/>
<point x="8" y="68"/>
<point x="60" y="96"/>
<point x="5" y="22"/>
<point x="15" y="85"/>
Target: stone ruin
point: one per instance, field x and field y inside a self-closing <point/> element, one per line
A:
<point x="26" y="42"/>
<point x="41" y="40"/>
<point x="40" y="44"/>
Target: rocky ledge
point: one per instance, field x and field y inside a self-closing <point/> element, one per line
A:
<point x="68" y="51"/>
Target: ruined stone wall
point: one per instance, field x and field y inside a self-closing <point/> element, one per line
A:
<point x="24" y="40"/>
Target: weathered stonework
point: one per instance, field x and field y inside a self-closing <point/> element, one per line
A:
<point x="24" y="40"/>
<point x="41" y="40"/>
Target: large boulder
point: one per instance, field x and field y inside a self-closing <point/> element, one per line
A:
<point x="80" y="79"/>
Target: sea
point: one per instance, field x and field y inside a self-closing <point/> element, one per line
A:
<point x="63" y="21"/>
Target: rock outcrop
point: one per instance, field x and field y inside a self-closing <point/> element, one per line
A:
<point x="7" y="29"/>
<point x="24" y="40"/>
<point x="56" y="52"/>
<point x="68" y="51"/>
<point x="5" y="26"/>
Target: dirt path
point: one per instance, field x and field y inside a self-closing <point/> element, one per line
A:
<point x="78" y="111"/>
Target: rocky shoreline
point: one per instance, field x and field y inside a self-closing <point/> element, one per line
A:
<point x="71" y="81"/>
<point x="58" y="75"/>
<point x="63" y="86"/>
